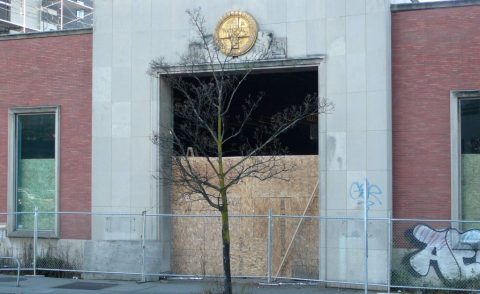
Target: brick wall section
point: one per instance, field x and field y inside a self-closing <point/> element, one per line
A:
<point x="434" y="51"/>
<point x="54" y="70"/>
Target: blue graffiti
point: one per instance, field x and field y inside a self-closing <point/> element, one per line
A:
<point x="357" y="193"/>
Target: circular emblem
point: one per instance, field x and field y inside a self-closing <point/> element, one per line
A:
<point x="236" y="33"/>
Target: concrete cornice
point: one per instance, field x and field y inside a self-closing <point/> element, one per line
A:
<point x="276" y="65"/>
<point x="45" y="34"/>
<point x="433" y="5"/>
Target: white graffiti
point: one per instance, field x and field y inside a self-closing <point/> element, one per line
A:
<point x="454" y="254"/>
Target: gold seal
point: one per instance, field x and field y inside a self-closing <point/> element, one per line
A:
<point x="236" y="33"/>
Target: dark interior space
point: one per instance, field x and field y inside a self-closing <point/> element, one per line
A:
<point x="280" y="90"/>
<point x="470" y="119"/>
<point x="36" y="136"/>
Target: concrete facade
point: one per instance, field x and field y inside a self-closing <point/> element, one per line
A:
<point x="355" y="140"/>
<point x="435" y="63"/>
<point x="107" y="161"/>
<point x="125" y="110"/>
<point x="353" y="35"/>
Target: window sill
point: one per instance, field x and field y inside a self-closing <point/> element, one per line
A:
<point x="29" y="234"/>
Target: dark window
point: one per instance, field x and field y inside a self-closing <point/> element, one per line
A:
<point x="35" y="169"/>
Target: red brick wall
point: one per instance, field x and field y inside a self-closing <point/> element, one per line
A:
<point x="434" y="51"/>
<point x="54" y="70"/>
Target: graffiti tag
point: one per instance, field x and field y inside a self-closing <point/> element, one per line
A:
<point x="357" y="193"/>
<point x="453" y="255"/>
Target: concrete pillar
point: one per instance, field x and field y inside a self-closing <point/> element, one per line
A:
<point x="355" y="139"/>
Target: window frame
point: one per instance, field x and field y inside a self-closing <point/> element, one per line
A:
<point x="13" y="113"/>
<point x="455" y="149"/>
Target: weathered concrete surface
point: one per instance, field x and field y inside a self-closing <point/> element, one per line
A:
<point x="122" y="257"/>
<point x="63" y="253"/>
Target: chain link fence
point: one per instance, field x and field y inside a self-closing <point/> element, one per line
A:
<point x="402" y="253"/>
<point x="436" y="255"/>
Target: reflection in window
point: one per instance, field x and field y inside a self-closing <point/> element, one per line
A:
<point x="35" y="165"/>
<point x="470" y="159"/>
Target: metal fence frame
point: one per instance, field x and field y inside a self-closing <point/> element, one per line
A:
<point x="442" y="230"/>
<point x="18" y="267"/>
<point x="270" y="276"/>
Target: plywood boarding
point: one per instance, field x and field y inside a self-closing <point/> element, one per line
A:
<point x="197" y="241"/>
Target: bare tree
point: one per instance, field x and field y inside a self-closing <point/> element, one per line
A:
<point x="209" y="82"/>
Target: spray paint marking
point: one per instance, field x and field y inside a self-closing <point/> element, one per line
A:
<point x="357" y="193"/>
<point x="453" y="255"/>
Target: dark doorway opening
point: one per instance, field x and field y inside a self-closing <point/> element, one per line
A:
<point x="280" y="90"/>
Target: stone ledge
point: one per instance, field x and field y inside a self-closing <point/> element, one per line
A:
<point x="45" y="34"/>
<point x="432" y="5"/>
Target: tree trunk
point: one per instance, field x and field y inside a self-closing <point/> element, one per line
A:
<point x="227" y="287"/>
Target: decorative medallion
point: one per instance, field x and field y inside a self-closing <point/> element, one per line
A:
<point x="236" y="33"/>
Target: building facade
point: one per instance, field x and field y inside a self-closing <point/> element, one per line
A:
<point x="77" y="116"/>
<point x="46" y="148"/>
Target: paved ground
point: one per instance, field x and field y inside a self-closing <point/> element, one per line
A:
<point x="56" y="285"/>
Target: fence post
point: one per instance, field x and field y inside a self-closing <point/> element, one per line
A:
<point x="35" y="237"/>
<point x="365" y="227"/>
<point x="61" y="14"/>
<point x="389" y="252"/>
<point x="24" y="12"/>
<point x="144" y="230"/>
<point x="269" y="247"/>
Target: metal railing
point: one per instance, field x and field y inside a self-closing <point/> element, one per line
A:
<point x="17" y="267"/>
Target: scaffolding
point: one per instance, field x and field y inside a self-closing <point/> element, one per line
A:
<point x="24" y="16"/>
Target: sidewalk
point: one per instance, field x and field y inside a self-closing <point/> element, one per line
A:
<point x="56" y="285"/>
